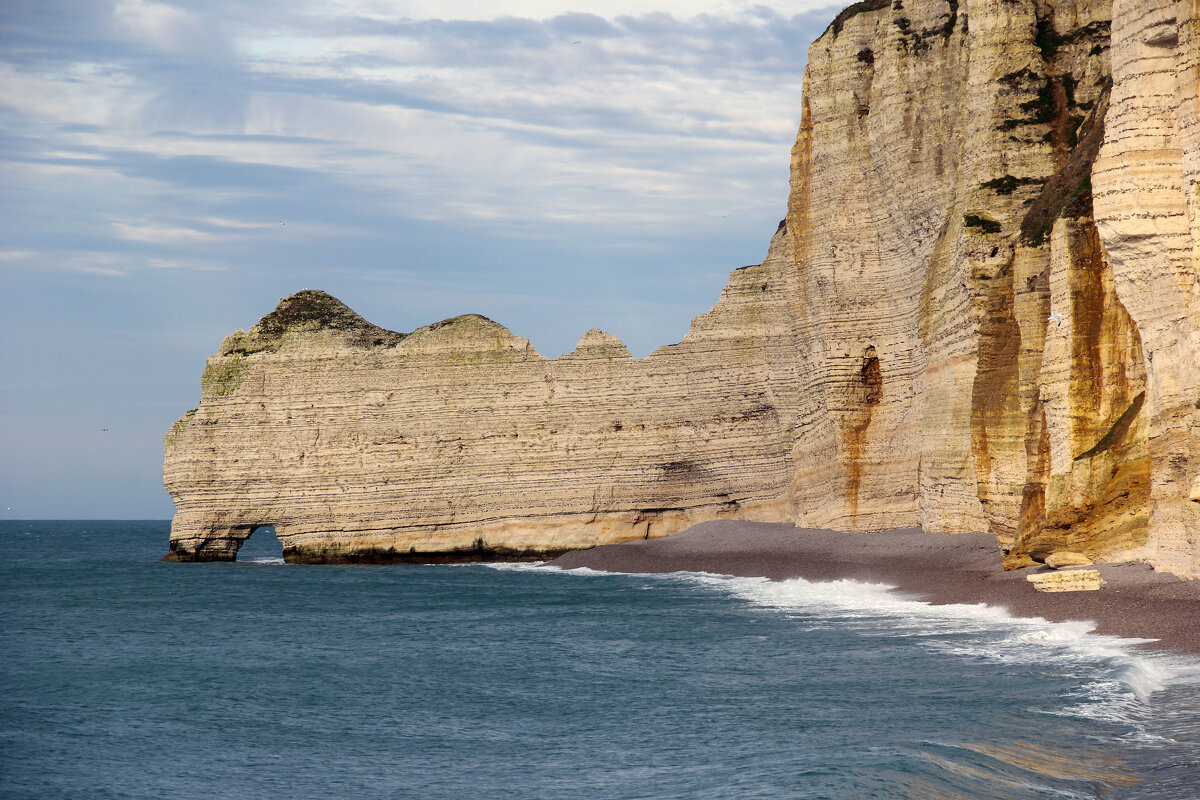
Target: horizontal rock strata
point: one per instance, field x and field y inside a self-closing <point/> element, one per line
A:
<point x="459" y="442"/>
<point x="981" y="313"/>
<point x="1076" y="580"/>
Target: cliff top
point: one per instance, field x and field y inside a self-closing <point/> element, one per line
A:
<point x="853" y="11"/>
<point x="308" y="311"/>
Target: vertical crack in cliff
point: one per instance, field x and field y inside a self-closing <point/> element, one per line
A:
<point x="997" y="426"/>
<point x="1069" y="189"/>
<point x="1097" y="501"/>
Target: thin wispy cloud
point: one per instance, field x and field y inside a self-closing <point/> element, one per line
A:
<point x="459" y="111"/>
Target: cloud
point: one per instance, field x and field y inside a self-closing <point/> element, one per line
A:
<point x="701" y="77"/>
<point x="237" y="224"/>
<point x="159" y="234"/>
<point x="576" y="23"/>
<point x="108" y="265"/>
<point x="163" y="26"/>
<point x="487" y="9"/>
<point x="93" y="269"/>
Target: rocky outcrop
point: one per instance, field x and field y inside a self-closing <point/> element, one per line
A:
<point x="980" y="313"/>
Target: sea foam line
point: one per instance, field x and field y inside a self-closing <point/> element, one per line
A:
<point x="967" y="630"/>
<point x="964" y="630"/>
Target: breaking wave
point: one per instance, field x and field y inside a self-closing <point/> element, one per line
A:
<point x="1117" y="679"/>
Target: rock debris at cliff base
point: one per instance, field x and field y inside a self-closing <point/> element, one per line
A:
<point x="981" y="313"/>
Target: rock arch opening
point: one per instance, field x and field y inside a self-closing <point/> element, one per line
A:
<point x="262" y="546"/>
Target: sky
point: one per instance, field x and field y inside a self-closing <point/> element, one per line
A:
<point x="169" y="170"/>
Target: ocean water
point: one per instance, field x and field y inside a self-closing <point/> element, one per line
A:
<point x="124" y="677"/>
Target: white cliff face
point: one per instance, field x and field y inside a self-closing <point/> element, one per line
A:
<point x="942" y="224"/>
<point x="1148" y="212"/>
<point x="458" y="441"/>
<point x="980" y="314"/>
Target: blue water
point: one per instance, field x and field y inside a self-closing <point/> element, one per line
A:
<point x="125" y="677"/>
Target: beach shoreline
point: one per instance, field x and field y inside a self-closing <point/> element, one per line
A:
<point x="1137" y="602"/>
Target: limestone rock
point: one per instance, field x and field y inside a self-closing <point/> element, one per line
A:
<point x="1067" y="559"/>
<point x="459" y="442"/>
<point x="1147" y="206"/>
<point x="598" y="344"/>
<point x="1077" y="580"/>
<point x="982" y="312"/>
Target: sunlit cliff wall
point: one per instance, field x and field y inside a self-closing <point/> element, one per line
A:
<point x="980" y="313"/>
<point x="458" y="441"/>
<point x="1147" y="202"/>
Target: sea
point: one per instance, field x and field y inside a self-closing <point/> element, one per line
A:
<point x="125" y="677"/>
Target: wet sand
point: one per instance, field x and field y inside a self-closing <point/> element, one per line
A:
<point x="1137" y="602"/>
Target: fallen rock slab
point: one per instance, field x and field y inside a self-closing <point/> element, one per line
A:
<point x="1076" y="580"/>
<point x="1067" y="559"/>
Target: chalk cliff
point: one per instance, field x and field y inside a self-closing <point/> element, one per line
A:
<point x="981" y="312"/>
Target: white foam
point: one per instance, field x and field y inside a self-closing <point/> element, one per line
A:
<point x="963" y="630"/>
<point x="542" y="566"/>
<point x="512" y="566"/>
<point x="263" y="560"/>
<point x="998" y="635"/>
<point x="854" y="601"/>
